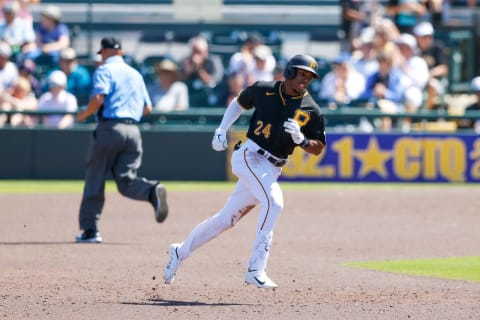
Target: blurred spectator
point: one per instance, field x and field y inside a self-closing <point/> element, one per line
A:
<point x="385" y="34"/>
<point x="15" y="31"/>
<point x="386" y="88"/>
<point x="234" y="86"/>
<point x="365" y="61"/>
<point x="8" y="69"/>
<point x="200" y="68"/>
<point x="24" y="12"/>
<point x="97" y="60"/>
<point x="475" y="106"/>
<point x="167" y="92"/>
<point x="79" y="79"/>
<point x="27" y="70"/>
<point x="351" y="19"/>
<point x="52" y="35"/>
<point x="18" y="98"/>
<point x="434" y="54"/>
<point x="343" y="84"/>
<point x="357" y="15"/>
<point x="406" y="13"/>
<point x="434" y="11"/>
<point x="243" y="61"/>
<point x="58" y="99"/>
<point x="416" y="69"/>
<point x="279" y="71"/>
<point x="263" y="70"/>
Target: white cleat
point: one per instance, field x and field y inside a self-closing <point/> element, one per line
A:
<point x="259" y="279"/>
<point x="172" y="265"/>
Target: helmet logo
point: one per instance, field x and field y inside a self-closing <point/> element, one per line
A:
<point x="313" y="64"/>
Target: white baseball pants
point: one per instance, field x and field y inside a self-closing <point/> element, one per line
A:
<point x="257" y="183"/>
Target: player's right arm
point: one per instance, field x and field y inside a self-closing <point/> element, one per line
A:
<point x="219" y="141"/>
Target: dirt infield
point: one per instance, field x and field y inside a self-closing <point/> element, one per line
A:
<point x="44" y="275"/>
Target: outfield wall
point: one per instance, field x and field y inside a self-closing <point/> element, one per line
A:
<point x="187" y="155"/>
<point x="61" y="154"/>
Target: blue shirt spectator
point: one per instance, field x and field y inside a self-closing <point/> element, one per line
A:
<point x="121" y="101"/>
<point x="52" y="35"/>
<point x="79" y="79"/>
<point x="388" y="83"/>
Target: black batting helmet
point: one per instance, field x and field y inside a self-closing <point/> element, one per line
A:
<point x="301" y="61"/>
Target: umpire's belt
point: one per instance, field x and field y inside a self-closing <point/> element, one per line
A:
<point x="119" y="120"/>
<point x="275" y="161"/>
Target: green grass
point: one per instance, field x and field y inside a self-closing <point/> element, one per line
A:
<point x="74" y="186"/>
<point x="456" y="268"/>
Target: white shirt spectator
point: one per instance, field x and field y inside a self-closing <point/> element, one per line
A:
<point x="264" y="63"/>
<point x="343" y="84"/>
<point x="8" y="69"/>
<point x="174" y="98"/>
<point x="64" y="101"/>
<point x="14" y="30"/>
<point x="57" y="98"/>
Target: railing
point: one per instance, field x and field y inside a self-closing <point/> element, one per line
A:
<point x="198" y="117"/>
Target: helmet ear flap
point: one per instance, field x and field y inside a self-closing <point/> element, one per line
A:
<point x="290" y="71"/>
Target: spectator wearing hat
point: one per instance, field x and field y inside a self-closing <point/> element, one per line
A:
<point x="8" y="69"/>
<point x="52" y="35"/>
<point x="264" y="64"/>
<point x="416" y="69"/>
<point x="167" y="92"/>
<point x="79" y="79"/>
<point x="15" y="31"/>
<point x="58" y="99"/>
<point x="434" y="54"/>
<point x="27" y="70"/>
<point x="475" y="106"/>
<point x="343" y="84"/>
<point x="243" y="61"/>
<point x="23" y="12"/>
<point x="18" y="98"/>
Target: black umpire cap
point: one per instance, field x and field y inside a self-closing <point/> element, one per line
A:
<point x="110" y="43"/>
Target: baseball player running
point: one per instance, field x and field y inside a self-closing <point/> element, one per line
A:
<point x="285" y="117"/>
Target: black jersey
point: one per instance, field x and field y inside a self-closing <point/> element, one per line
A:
<point x="272" y="108"/>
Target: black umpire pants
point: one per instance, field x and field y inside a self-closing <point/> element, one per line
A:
<point x="115" y="147"/>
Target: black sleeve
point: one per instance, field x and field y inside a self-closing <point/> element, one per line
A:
<point x="246" y="98"/>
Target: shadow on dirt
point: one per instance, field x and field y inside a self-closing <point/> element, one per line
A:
<point x="176" y="303"/>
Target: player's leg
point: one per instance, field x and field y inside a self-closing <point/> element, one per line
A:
<point x="261" y="179"/>
<point x="239" y="203"/>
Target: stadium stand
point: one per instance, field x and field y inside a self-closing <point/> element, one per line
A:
<point x="319" y="19"/>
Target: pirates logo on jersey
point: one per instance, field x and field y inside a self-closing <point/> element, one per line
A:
<point x="301" y="117"/>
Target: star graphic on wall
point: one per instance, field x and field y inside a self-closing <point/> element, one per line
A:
<point x="373" y="159"/>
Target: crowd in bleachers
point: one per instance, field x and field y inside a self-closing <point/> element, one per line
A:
<point x="390" y="59"/>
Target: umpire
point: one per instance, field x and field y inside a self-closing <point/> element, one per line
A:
<point x="119" y="99"/>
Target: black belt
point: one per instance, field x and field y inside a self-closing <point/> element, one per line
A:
<point x="274" y="161"/>
<point x="119" y="120"/>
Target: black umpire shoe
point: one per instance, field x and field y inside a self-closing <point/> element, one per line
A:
<point x="160" y="203"/>
<point x="89" y="236"/>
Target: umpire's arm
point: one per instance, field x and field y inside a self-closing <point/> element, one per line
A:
<point x="94" y="104"/>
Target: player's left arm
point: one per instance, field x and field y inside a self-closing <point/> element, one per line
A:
<point x="314" y="146"/>
<point x="315" y="135"/>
